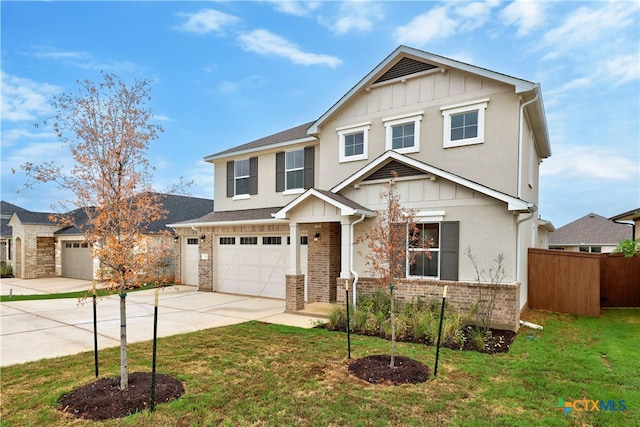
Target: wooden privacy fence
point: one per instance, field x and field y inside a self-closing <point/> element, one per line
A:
<point x="580" y="283"/>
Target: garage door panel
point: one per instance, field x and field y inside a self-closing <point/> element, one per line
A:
<point x="76" y="261"/>
<point x="257" y="270"/>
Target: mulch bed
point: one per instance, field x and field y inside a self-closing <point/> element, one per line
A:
<point x="377" y="370"/>
<point x="103" y="399"/>
<point x="498" y="341"/>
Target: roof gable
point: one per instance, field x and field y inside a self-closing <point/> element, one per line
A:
<point x="406" y="61"/>
<point x="346" y="205"/>
<point x="382" y="162"/>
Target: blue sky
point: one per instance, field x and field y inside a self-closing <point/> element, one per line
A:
<point x="228" y="72"/>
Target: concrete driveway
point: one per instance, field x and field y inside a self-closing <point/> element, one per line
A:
<point x="32" y="330"/>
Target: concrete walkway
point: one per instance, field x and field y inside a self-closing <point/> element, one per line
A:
<point x="32" y="330"/>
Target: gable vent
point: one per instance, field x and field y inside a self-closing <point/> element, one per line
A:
<point x="400" y="168"/>
<point x="405" y="67"/>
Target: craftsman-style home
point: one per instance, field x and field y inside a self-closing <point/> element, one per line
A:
<point x="466" y="144"/>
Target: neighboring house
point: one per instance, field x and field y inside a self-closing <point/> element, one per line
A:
<point x="6" y="242"/>
<point x="43" y="248"/>
<point x="633" y="218"/>
<point x="466" y="143"/>
<point x="591" y="233"/>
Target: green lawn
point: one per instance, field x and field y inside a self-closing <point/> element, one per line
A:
<point x="259" y="374"/>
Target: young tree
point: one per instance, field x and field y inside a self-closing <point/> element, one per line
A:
<point x="107" y="128"/>
<point x="388" y="254"/>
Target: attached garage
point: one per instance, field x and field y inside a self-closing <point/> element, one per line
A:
<point x="252" y="264"/>
<point x="76" y="260"/>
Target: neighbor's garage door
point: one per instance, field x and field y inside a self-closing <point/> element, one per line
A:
<point x="76" y="260"/>
<point x="252" y="265"/>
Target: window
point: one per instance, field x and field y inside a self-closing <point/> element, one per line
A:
<point x="192" y="241"/>
<point x="248" y="240"/>
<point x="227" y="240"/>
<point x="272" y="240"/>
<point x="242" y="178"/>
<point x="464" y="124"/>
<point x="354" y="142"/>
<point x="592" y="249"/>
<point x="403" y="133"/>
<point x="294" y="170"/>
<point x="304" y="240"/>
<point x="424" y="242"/>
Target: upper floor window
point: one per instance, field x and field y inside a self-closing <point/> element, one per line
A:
<point x="294" y="170"/>
<point x="464" y="124"/>
<point x="403" y="133"/>
<point x="242" y="178"/>
<point x="354" y="142"/>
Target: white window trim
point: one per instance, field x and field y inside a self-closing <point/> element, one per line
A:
<point x="389" y="122"/>
<point x="237" y="196"/>
<point x="349" y="130"/>
<point x="408" y="269"/>
<point x="293" y="191"/>
<point x="451" y="110"/>
<point x="286" y="175"/>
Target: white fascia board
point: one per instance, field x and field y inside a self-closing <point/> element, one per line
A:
<point x="222" y="223"/>
<point x="344" y="209"/>
<point x="514" y="204"/>
<point x="262" y="148"/>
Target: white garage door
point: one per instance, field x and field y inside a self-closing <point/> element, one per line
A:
<point x="252" y="265"/>
<point x="190" y="261"/>
<point x="76" y="260"/>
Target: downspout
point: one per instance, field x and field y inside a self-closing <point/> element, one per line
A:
<point x="198" y="286"/>
<point x="520" y="221"/>
<point x="520" y="142"/>
<point x="351" y="269"/>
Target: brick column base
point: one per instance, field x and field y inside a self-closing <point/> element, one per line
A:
<point x="294" y="292"/>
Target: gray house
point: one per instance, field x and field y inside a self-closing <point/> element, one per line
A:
<point x="42" y="248"/>
<point x="591" y="233"/>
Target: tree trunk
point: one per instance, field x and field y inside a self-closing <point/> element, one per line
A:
<point x="124" y="369"/>
<point x="393" y="329"/>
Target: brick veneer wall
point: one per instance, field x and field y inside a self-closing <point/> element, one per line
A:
<point x="323" y="265"/>
<point x="45" y="257"/>
<point x="461" y="295"/>
<point x="294" y="292"/>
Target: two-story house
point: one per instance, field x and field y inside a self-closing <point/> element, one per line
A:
<point x="466" y="143"/>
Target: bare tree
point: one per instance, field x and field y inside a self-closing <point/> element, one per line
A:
<point x="388" y="255"/>
<point x="107" y="128"/>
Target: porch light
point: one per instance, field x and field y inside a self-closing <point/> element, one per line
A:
<point x="176" y="238"/>
<point x="204" y="236"/>
<point x="316" y="237"/>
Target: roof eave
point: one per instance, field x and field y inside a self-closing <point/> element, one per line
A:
<point x="214" y="157"/>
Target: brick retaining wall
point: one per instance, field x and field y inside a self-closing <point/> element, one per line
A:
<point x="461" y="295"/>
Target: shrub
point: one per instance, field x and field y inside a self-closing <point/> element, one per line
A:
<point x="6" y="270"/>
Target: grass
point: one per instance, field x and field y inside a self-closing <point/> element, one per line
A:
<point x="76" y="294"/>
<point x="260" y="374"/>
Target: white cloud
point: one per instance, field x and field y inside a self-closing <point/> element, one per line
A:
<point x="24" y="99"/>
<point x="426" y="27"/>
<point x="355" y="16"/>
<point x="444" y="21"/>
<point x="206" y="21"/>
<point x="293" y="7"/>
<point x="621" y="69"/>
<point x="589" y="162"/>
<point x="526" y="14"/>
<point x="266" y="43"/>
<point x="588" y="28"/>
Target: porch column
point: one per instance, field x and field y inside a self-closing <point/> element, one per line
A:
<point x="294" y="249"/>
<point x="345" y="248"/>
